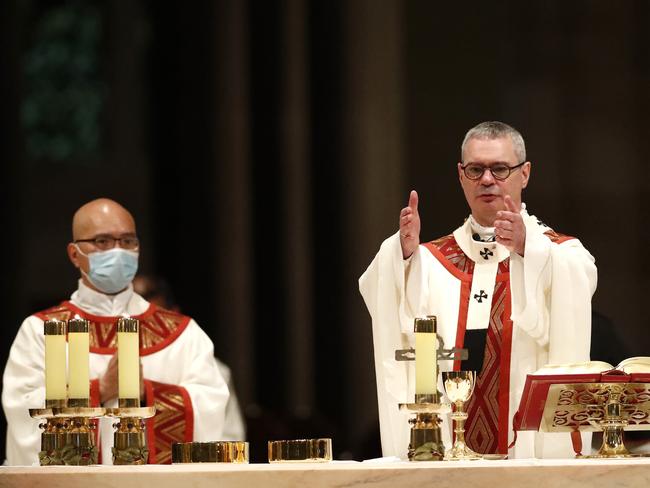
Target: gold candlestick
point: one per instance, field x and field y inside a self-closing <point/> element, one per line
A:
<point x="129" y="439"/>
<point x="68" y="434"/>
<point x="52" y="440"/>
<point x="68" y="437"/>
<point x="426" y="440"/>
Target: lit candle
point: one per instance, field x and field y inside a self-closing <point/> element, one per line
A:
<point x="128" y="362"/>
<point x="78" y="376"/>
<point x="426" y="352"/>
<point x="55" y="363"/>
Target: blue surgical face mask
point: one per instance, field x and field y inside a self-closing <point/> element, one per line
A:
<point x="111" y="271"/>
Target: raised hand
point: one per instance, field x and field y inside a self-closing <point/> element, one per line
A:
<point x="409" y="226"/>
<point x="509" y="227"/>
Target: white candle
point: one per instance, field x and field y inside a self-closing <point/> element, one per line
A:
<point x="55" y="381"/>
<point x="128" y="361"/>
<point x="426" y="352"/>
<point x="78" y="352"/>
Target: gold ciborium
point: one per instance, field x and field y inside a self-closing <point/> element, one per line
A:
<point x="459" y="386"/>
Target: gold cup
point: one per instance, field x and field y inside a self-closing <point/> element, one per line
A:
<point x="459" y="386"/>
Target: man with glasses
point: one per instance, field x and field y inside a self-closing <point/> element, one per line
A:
<point x="179" y="374"/>
<point x="504" y="285"/>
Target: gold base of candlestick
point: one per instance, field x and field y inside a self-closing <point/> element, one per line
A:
<point x="60" y="403"/>
<point x="128" y="403"/>
<point x="80" y="447"/>
<point x="78" y="402"/>
<point x="68" y="436"/>
<point x="52" y="442"/>
<point x="129" y="440"/>
<point x="426" y="439"/>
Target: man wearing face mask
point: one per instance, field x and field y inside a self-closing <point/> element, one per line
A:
<point x="178" y="371"/>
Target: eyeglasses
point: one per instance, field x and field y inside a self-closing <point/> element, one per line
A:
<point x="500" y="171"/>
<point x="108" y="242"/>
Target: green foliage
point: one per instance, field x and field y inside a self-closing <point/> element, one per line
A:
<point x="131" y="455"/>
<point x="428" y="451"/>
<point x="70" y="456"/>
<point x="64" y="99"/>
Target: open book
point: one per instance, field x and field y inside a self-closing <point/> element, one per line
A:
<point x="564" y="397"/>
<point x="639" y="364"/>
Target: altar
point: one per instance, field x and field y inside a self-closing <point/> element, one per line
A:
<point x="591" y="473"/>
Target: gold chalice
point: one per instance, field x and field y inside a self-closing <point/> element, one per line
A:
<point x="459" y="386"/>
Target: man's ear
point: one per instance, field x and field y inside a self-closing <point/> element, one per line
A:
<point x="525" y="173"/>
<point x="460" y="172"/>
<point x="73" y="254"/>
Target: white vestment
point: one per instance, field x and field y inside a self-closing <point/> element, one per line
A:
<point x="187" y="362"/>
<point x="551" y="289"/>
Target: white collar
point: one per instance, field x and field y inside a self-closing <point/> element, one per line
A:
<point x="126" y="302"/>
<point x="479" y="232"/>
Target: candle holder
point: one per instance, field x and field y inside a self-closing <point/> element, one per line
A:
<point x="129" y="438"/>
<point x="68" y="436"/>
<point x="426" y="439"/>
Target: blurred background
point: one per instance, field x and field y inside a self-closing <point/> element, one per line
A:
<point x="265" y="149"/>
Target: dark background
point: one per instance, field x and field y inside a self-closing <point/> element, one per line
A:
<point x="265" y="149"/>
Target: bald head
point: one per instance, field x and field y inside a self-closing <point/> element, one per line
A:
<point x="102" y="216"/>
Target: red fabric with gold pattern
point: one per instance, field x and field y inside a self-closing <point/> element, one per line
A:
<point x="173" y="422"/>
<point x="158" y="327"/>
<point x="94" y="393"/>
<point x="451" y="252"/>
<point x="556" y="237"/>
<point x="486" y="431"/>
<point x="95" y="402"/>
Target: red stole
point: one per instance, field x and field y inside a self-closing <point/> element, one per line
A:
<point x="486" y="429"/>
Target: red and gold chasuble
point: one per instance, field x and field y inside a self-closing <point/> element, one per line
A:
<point x="174" y="419"/>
